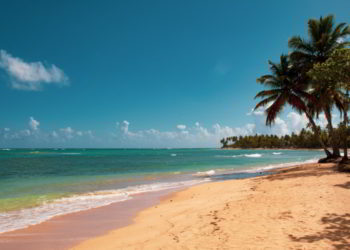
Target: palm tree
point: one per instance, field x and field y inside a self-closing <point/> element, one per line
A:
<point x="329" y="95"/>
<point x="324" y="38"/>
<point x="335" y="73"/>
<point x="284" y="88"/>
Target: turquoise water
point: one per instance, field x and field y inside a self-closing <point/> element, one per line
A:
<point x="37" y="184"/>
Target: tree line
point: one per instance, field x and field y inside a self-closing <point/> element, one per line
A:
<point x="304" y="139"/>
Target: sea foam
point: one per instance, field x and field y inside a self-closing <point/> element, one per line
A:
<point x="240" y="155"/>
<point x="253" y="155"/>
<point x="205" y="174"/>
<point x="279" y="165"/>
<point x="30" y="216"/>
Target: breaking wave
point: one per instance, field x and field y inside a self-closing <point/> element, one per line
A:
<point x="30" y="216"/>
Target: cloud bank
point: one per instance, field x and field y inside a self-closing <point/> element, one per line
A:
<point x="123" y="136"/>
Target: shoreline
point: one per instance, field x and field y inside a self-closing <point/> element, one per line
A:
<point x="305" y="206"/>
<point x="67" y="230"/>
<point x="294" y="149"/>
<point x="75" y="229"/>
<point x="29" y="217"/>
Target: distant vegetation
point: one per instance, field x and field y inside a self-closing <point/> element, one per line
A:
<point x="305" y="139"/>
<point x="313" y="79"/>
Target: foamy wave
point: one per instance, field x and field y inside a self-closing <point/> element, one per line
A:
<point x="35" y="152"/>
<point x="5" y="149"/>
<point x="205" y="174"/>
<point x="173" y="155"/>
<point x="253" y="155"/>
<point x="258" y="169"/>
<point x="226" y="156"/>
<point x="280" y="165"/>
<point x="277" y="153"/>
<point x="241" y="155"/>
<point x="30" y="216"/>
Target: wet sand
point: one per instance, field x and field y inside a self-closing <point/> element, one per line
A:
<point x="63" y="232"/>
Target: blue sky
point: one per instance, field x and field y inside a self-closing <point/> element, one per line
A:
<point x="127" y="73"/>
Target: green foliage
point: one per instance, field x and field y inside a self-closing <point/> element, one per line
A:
<point x="324" y="38"/>
<point x="314" y="78"/>
<point x="305" y="139"/>
<point x="282" y="90"/>
<point x="335" y="70"/>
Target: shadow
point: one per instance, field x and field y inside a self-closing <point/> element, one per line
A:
<point x="303" y="172"/>
<point x="337" y="230"/>
<point x="345" y="185"/>
<point x="236" y="176"/>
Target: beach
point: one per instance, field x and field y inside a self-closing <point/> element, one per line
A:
<point x="303" y="207"/>
<point x="166" y="125"/>
<point x="170" y="198"/>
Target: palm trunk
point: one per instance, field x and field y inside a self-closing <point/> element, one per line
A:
<point x="317" y="133"/>
<point x="345" y="157"/>
<point x="335" y="147"/>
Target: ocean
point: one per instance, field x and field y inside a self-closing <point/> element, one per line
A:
<point x="38" y="184"/>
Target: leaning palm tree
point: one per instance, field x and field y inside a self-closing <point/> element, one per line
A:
<point x="284" y="89"/>
<point x="329" y="95"/>
<point x="324" y="38"/>
<point x="334" y="76"/>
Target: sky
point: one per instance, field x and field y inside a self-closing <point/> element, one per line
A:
<point x="143" y="73"/>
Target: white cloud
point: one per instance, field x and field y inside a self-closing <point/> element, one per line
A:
<point x="279" y="127"/>
<point x="33" y="124"/>
<point x="30" y="75"/>
<point x="54" y="134"/>
<point x="68" y="132"/>
<point x="20" y="134"/>
<point x="124" y="127"/>
<point x="296" y="122"/>
<point x="35" y="137"/>
<point x="196" y="136"/>
<point x="181" y="126"/>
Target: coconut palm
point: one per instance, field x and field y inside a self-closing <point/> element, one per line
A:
<point x="284" y="89"/>
<point x="334" y="74"/>
<point x="324" y="38"/>
<point x="329" y="95"/>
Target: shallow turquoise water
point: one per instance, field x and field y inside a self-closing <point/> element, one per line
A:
<point x="60" y="179"/>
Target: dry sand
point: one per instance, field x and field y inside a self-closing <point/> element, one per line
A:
<point x="307" y="207"/>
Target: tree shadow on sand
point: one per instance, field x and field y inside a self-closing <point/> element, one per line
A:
<point x="302" y="172"/>
<point x="346" y="185"/>
<point x="337" y="230"/>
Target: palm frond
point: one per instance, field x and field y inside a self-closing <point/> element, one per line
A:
<point x="265" y="101"/>
<point x="275" y="109"/>
<point x="296" y="103"/>
<point x="268" y="93"/>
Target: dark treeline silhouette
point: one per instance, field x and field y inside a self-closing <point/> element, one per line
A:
<point x="305" y="139"/>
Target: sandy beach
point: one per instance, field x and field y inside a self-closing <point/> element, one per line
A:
<point x="304" y="207"/>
